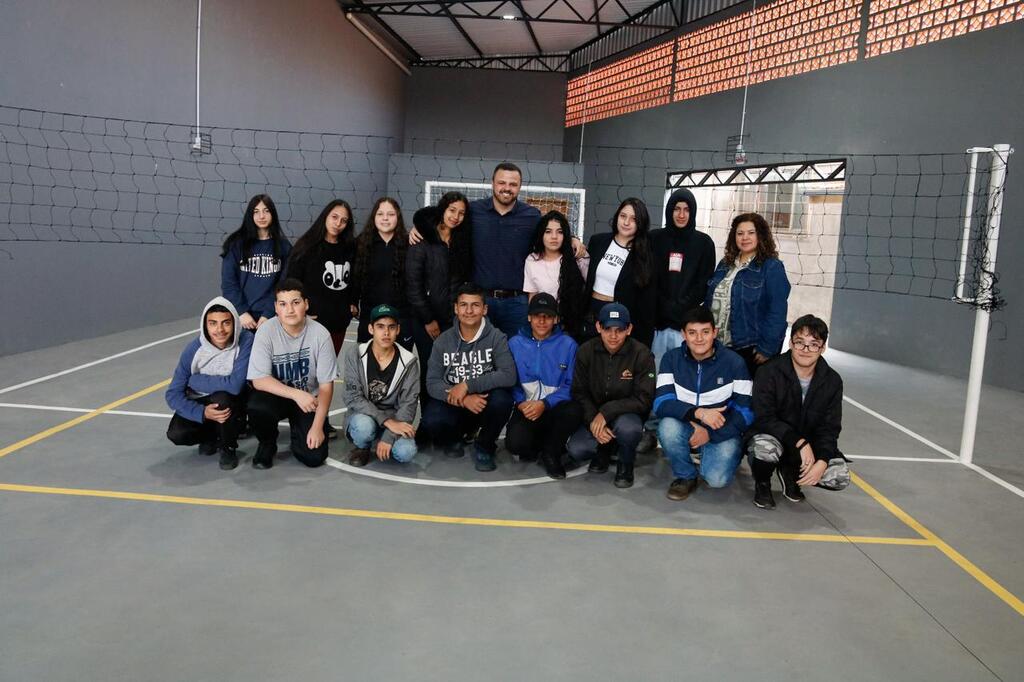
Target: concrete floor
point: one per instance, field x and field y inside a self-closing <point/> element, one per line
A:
<point x="123" y="557"/>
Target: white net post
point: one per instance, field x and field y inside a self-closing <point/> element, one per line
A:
<point x="1000" y="156"/>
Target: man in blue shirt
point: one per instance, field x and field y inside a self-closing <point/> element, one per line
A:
<point x="502" y="231"/>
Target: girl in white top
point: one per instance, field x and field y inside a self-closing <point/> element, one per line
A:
<point x="552" y="268"/>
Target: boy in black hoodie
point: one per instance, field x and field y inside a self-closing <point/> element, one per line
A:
<point x="684" y="260"/>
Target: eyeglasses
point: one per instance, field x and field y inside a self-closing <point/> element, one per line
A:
<point x="812" y="347"/>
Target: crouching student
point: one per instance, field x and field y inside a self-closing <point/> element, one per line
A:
<point x="292" y="367"/>
<point x="382" y="389"/>
<point x="544" y="417"/>
<point x="614" y="385"/>
<point x="470" y="375"/>
<point x="207" y="392"/>
<point x="798" y="412"/>
<point x="703" y="400"/>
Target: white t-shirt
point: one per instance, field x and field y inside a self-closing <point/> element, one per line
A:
<point x="609" y="269"/>
<point x="541" y="275"/>
<point x="303" y="362"/>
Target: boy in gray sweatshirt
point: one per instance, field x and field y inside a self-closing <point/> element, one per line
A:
<point x="470" y="377"/>
<point x="382" y="389"/>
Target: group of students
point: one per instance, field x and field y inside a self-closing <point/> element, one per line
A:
<point x="516" y="326"/>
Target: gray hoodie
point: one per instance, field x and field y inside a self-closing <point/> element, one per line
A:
<point x="403" y="393"/>
<point x="483" y="362"/>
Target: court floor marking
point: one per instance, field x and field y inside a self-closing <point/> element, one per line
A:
<point x="100" y="361"/>
<point x="956" y="557"/>
<point x="439" y="483"/>
<point x="472" y="521"/>
<point x="71" y="423"/>
<point x="887" y="458"/>
<point x="124" y="413"/>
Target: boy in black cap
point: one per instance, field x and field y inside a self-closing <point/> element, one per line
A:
<point x="614" y="384"/>
<point x="382" y="387"/>
<point x="544" y="417"/>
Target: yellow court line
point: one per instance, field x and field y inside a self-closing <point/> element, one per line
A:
<point x="83" y="418"/>
<point x="959" y="559"/>
<point x="466" y="521"/>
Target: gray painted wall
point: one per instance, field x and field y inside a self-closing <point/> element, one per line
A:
<point x="942" y="97"/>
<point x="266" y="64"/>
<point x="484" y="105"/>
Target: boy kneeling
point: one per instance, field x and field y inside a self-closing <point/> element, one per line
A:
<point x="207" y="392"/>
<point x="798" y="412"/>
<point x="382" y="389"/>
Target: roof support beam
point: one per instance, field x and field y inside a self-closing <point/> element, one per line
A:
<point x="533" y="36"/>
<point x="463" y="32"/>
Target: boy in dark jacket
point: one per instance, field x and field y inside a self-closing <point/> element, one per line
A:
<point x="614" y="384"/>
<point x="469" y="378"/>
<point x="382" y="387"/>
<point x="703" y="401"/>
<point x="798" y="412"/>
<point x="684" y="260"/>
<point x="544" y="417"/>
<point x="206" y="392"/>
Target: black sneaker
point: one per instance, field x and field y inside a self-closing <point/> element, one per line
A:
<point x="790" y="488"/>
<point x="599" y="463"/>
<point x="763" y="494"/>
<point x="483" y="461"/>
<point x="623" y="475"/>
<point x="681" y="488"/>
<point x="648" y="442"/>
<point x="207" y="449"/>
<point x="554" y="468"/>
<point x="330" y="432"/>
<point x="264" y="457"/>
<point x="228" y="458"/>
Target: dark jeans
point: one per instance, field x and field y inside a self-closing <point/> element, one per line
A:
<point x="446" y="424"/>
<point x="183" y="431"/>
<point x="405" y="336"/>
<point x="628" y="428"/>
<point x="424" y="346"/>
<point x="547" y="435"/>
<point x="507" y="314"/>
<point x="266" y="410"/>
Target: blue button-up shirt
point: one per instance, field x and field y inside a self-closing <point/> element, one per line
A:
<point x="501" y="243"/>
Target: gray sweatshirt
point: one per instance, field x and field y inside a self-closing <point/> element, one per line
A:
<point x="483" y="362"/>
<point x="402" y="396"/>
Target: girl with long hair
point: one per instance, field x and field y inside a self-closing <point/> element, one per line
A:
<point x="749" y="292"/>
<point x="380" y="269"/>
<point x="434" y="268"/>
<point x="623" y="270"/>
<point x="253" y="257"/>
<point x="552" y="267"/>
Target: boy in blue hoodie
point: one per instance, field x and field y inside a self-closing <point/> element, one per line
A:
<point x="545" y="416"/>
<point x="703" y="401"/>
<point x="206" y="392"/>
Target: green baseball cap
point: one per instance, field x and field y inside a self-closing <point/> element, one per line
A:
<point x="383" y="310"/>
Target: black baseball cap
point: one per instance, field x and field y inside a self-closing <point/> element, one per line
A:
<point x="614" y="315"/>
<point x="543" y="304"/>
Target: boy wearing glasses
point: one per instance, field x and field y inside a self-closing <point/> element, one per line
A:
<point x="798" y="408"/>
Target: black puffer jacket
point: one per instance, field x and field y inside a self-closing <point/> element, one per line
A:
<point x="780" y="411"/>
<point x="613" y="385"/>
<point x="434" y="270"/>
<point x="641" y="302"/>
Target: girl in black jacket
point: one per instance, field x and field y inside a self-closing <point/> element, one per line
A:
<point x="380" y="268"/>
<point x="434" y="269"/>
<point x="621" y="270"/>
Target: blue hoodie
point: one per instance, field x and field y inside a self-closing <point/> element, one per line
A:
<point x="684" y="384"/>
<point x="250" y="285"/>
<point x="186" y="385"/>
<point x="545" y="367"/>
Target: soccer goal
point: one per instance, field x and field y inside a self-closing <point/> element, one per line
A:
<point x="569" y="201"/>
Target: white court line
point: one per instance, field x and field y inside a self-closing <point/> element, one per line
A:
<point x="125" y="413"/>
<point x="94" y="362"/>
<point x="900" y="427"/>
<point x="934" y="460"/>
<point x="974" y="467"/>
<point x="448" y="484"/>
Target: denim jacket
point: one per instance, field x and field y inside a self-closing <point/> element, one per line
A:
<point x="759" y="302"/>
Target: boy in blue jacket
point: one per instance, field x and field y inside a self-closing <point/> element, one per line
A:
<point x="545" y="416"/>
<point x="703" y="401"/>
<point x="207" y="391"/>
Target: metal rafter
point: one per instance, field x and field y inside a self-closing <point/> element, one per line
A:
<point x="347" y="7"/>
<point x="463" y="31"/>
<point x="554" y="63"/>
<point x="533" y="36"/>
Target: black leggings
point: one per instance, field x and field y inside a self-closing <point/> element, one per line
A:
<point x="183" y="431"/>
<point x="267" y="409"/>
<point x="547" y="435"/>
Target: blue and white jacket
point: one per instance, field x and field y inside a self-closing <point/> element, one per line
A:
<point x="684" y="384"/>
<point x="545" y="367"/>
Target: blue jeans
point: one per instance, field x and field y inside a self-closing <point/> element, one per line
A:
<point x="364" y="432"/>
<point x="627" y="429"/>
<point x="507" y="314"/>
<point x="718" y="461"/>
<point x="664" y="341"/>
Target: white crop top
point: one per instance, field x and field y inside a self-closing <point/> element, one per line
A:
<point x="609" y="269"/>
